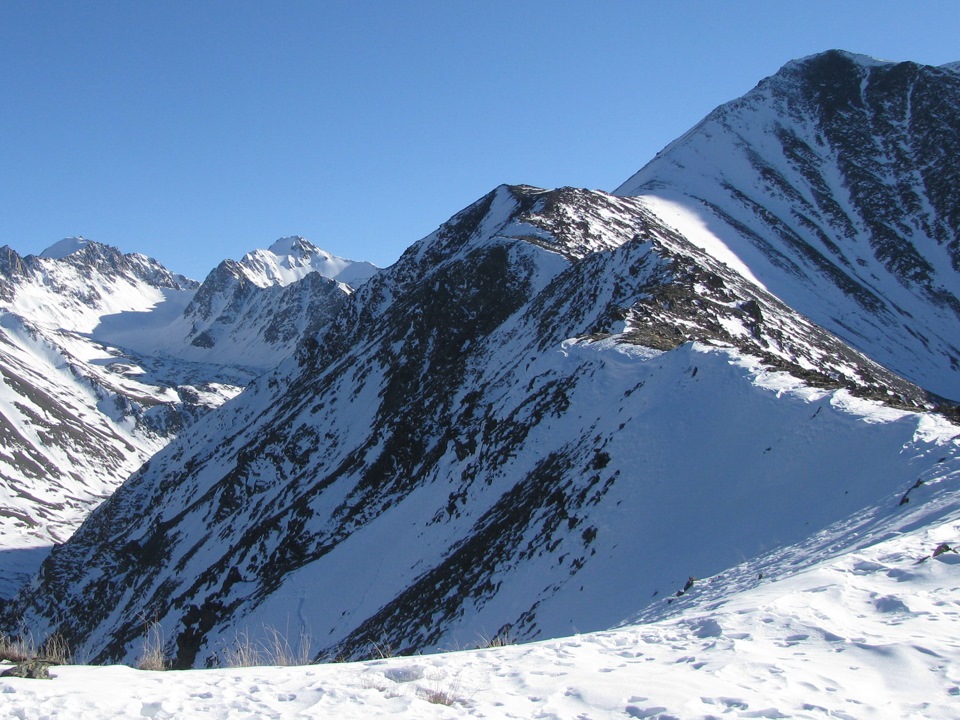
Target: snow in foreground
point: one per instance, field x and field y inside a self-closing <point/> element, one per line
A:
<point x="872" y="631"/>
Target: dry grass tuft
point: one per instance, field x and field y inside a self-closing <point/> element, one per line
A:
<point x="501" y="639"/>
<point x="54" y="650"/>
<point x="152" y="655"/>
<point x="442" y="690"/>
<point x="274" y="649"/>
<point x="17" y="649"/>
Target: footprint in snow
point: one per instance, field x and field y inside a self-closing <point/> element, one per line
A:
<point x="404" y="674"/>
<point x="890" y="604"/>
<point x="766" y="713"/>
<point x="866" y="567"/>
<point x="707" y="628"/>
<point x="638" y="712"/>
<point x="152" y="709"/>
<point x="731" y="703"/>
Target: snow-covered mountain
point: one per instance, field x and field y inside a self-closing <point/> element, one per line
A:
<point x="561" y="408"/>
<point x="79" y="415"/>
<point x="94" y="384"/>
<point x="552" y="393"/>
<point x="835" y="183"/>
<point x="252" y="311"/>
<point x="293" y="258"/>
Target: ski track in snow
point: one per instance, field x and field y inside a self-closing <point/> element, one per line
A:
<point x="871" y="633"/>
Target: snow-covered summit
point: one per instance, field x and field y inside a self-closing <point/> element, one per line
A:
<point x="289" y="246"/>
<point x="65" y="247"/>
<point x="76" y="282"/>
<point x="292" y="258"/>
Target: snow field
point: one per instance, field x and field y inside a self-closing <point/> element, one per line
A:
<point x="871" y="633"/>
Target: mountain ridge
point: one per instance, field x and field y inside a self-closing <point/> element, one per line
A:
<point x="485" y="451"/>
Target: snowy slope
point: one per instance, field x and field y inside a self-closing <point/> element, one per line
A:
<point x="77" y="282"/>
<point x="834" y="181"/>
<point x="867" y="628"/>
<point x="548" y="413"/>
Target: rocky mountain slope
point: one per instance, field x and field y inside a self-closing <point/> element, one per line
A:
<point x="557" y="410"/>
<point x="83" y="403"/>
<point x="835" y="183"/>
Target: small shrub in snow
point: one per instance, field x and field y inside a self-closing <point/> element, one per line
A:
<point x="442" y="690"/>
<point x="19" y="649"/>
<point x="56" y="650"/>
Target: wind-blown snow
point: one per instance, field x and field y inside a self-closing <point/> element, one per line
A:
<point x="64" y="248"/>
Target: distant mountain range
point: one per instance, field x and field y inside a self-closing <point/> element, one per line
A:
<point x="101" y="367"/>
<point x="563" y="407"/>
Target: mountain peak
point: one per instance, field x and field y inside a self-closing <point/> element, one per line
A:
<point x="293" y="245"/>
<point x="837" y="54"/>
<point x="291" y="258"/>
<point x="64" y="248"/>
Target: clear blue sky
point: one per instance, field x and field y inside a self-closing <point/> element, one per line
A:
<point x="196" y="131"/>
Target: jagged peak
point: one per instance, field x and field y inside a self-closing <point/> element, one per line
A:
<point x="291" y="258"/>
<point x="294" y="245"/>
<point x="833" y="64"/>
<point x="862" y="59"/>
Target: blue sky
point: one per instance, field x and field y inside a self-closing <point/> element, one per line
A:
<point x="196" y="131"/>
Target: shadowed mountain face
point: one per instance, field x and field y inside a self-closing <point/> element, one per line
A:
<point x="547" y="412"/>
<point x="836" y="181"/>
